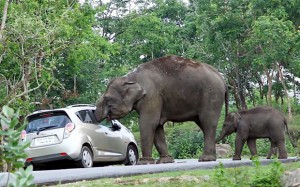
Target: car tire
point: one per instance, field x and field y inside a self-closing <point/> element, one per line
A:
<point x="86" y="158"/>
<point x="131" y="156"/>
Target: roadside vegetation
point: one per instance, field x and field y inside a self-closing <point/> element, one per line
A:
<point x="12" y="153"/>
<point x="57" y="53"/>
<point x="256" y="175"/>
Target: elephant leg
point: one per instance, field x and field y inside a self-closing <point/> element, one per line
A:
<point x="161" y="146"/>
<point x="209" y="127"/>
<point x="239" y="144"/>
<point x="251" y="142"/>
<point x="282" y="150"/>
<point x="272" y="151"/>
<point x="147" y="132"/>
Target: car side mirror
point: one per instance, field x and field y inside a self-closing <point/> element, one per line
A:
<point x="115" y="126"/>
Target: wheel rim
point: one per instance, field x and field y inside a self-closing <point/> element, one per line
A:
<point x="86" y="158"/>
<point x="132" y="157"/>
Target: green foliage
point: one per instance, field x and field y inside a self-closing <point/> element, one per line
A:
<point x="50" y="48"/>
<point x="267" y="178"/>
<point x="220" y="176"/>
<point x="240" y="177"/>
<point x="68" y="51"/>
<point x="12" y="150"/>
<point x="21" y="178"/>
<point x="185" y="143"/>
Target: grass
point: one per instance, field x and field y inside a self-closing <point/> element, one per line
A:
<point x="240" y="176"/>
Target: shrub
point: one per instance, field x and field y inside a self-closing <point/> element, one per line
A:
<point x="12" y="153"/>
<point x="185" y="143"/>
<point x="234" y="177"/>
<point x="269" y="178"/>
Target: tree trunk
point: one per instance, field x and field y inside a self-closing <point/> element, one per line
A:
<point x="261" y="86"/>
<point x="4" y="17"/>
<point x="232" y="85"/>
<point x="269" y="74"/>
<point x="251" y="94"/>
<point x="294" y="88"/>
<point x="277" y="91"/>
<point x="75" y="84"/>
<point x="243" y="99"/>
<point x="285" y="90"/>
<point x="238" y="86"/>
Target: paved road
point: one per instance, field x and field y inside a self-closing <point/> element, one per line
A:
<point x="70" y="175"/>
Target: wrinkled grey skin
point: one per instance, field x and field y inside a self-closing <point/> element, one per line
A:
<point x="167" y="89"/>
<point x="259" y="122"/>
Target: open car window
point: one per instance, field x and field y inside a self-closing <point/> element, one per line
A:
<point x="86" y="116"/>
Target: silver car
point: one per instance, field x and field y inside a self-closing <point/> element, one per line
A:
<point x="72" y="133"/>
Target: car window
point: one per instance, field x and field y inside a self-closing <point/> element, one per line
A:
<point x="85" y="116"/>
<point x="44" y="120"/>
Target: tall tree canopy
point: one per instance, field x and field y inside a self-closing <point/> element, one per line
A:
<point x="65" y="52"/>
<point x="44" y="48"/>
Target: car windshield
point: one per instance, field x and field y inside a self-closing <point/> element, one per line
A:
<point x="46" y="121"/>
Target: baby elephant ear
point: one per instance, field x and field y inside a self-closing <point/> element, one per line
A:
<point x="134" y="92"/>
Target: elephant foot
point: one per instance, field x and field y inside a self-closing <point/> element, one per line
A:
<point x="146" y="161"/>
<point x="165" y="159"/>
<point x="236" y="158"/>
<point x="282" y="157"/>
<point x="207" y="158"/>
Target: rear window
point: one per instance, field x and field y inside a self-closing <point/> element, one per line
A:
<point x="49" y="120"/>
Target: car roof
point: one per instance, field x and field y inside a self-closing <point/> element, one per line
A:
<point x="70" y="108"/>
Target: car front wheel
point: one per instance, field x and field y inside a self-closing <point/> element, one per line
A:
<point x="86" y="158"/>
<point x="132" y="156"/>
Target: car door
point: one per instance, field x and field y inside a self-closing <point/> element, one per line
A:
<point x="106" y="142"/>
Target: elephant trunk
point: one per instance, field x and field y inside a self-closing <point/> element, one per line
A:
<point x="100" y="112"/>
<point x="221" y="136"/>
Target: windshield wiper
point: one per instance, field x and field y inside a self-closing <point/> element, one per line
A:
<point x="45" y="128"/>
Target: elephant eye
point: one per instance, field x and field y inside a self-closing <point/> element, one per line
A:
<point x="108" y="99"/>
<point x="110" y="102"/>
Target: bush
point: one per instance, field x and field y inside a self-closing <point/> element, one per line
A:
<point x="12" y="153"/>
<point x="185" y="143"/>
<point x="267" y="178"/>
<point x="234" y="177"/>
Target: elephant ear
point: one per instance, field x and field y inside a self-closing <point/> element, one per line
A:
<point x="133" y="92"/>
<point x="236" y="118"/>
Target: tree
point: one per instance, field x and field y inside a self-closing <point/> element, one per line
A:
<point x="223" y="28"/>
<point x="270" y="42"/>
<point x="41" y="39"/>
<point x="227" y="32"/>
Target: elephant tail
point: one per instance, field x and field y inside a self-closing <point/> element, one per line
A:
<point x="288" y="133"/>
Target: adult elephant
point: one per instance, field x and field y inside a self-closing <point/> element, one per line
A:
<point x="170" y="88"/>
<point x="255" y="123"/>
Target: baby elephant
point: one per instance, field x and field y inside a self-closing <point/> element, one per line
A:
<point x="259" y="122"/>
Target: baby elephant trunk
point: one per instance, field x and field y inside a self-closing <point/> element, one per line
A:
<point x="221" y="136"/>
